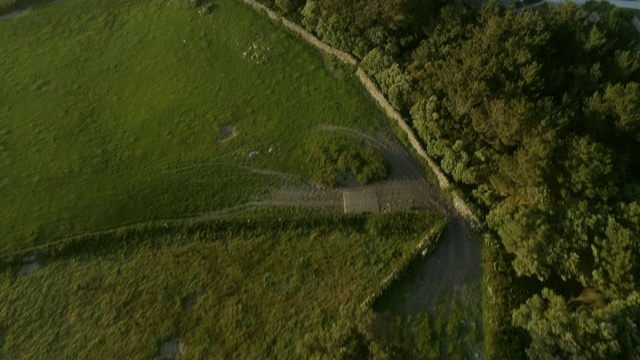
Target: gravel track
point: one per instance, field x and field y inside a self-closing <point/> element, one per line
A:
<point x="450" y="268"/>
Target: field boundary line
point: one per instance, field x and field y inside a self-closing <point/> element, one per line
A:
<point x="206" y="216"/>
<point x="312" y="39"/>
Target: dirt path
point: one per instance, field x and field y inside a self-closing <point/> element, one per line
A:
<point x="449" y="269"/>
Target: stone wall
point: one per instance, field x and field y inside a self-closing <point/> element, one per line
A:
<point x="373" y="90"/>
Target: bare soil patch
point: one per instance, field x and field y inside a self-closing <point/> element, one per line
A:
<point x="172" y="348"/>
<point x="308" y="196"/>
<point x="30" y="265"/>
<point x="227" y="132"/>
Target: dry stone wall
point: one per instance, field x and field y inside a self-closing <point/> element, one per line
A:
<point x="312" y="39"/>
<point x="373" y="90"/>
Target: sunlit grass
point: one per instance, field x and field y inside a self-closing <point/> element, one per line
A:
<point x="110" y="113"/>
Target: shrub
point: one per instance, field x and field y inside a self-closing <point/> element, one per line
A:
<point x="311" y="15"/>
<point x="375" y="166"/>
<point x="7" y="6"/>
<point x="289" y="6"/>
<point x="337" y="159"/>
<point x="401" y="223"/>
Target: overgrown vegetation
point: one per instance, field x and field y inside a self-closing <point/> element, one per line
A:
<point x="261" y="286"/>
<point x="400" y="223"/>
<point x="338" y="161"/>
<point x="112" y="113"/>
<point x="503" y="290"/>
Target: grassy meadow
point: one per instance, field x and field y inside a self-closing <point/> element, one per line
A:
<point x="114" y="113"/>
<point x="247" y="287"/>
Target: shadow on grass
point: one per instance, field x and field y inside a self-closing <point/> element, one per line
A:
<point x="7" y="7"/>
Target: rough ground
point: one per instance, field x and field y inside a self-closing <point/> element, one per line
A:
<point x="450" y="269"/>
<point x="457" y="259"/>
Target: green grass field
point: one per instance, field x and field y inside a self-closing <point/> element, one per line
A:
<point x="246" y="287"/>
<point x="111" y="113"/>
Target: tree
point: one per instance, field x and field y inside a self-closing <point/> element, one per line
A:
<point x="617" y="253"/>
<point x="587" y="170"/>
<point x="562" y="331"/>
<point x="311" y="15"/>
<point x="289" y="6"/>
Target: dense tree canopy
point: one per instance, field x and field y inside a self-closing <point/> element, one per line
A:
<point x="565" y="330"/>
<point x="537" y="114"/>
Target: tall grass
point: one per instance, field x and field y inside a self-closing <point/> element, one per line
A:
<point x="226" y="290"/>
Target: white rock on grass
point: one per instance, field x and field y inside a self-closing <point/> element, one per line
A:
<point x="29" y="266"/>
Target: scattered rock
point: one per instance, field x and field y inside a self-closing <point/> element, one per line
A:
<point x="172" y="348"/>
<point x="227" y="132"/>
<point x="254" y="154"/>
<point x="256" y="52"/>
<point x="30" y="265"/>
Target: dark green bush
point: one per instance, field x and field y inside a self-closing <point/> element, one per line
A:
<point x="7" y="6"/>
<point x="334" y="161"/>
<point x="375" y="166"/>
